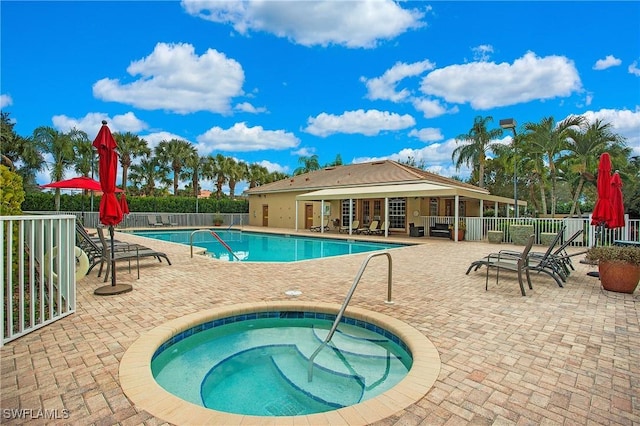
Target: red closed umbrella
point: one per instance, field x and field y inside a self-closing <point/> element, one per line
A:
<point x="617" y="219"/>
<point x="124" y="205"/>
<point x="603" y="211"/>
<point x="110" y="210"/>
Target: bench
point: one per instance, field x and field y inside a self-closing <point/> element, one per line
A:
<point x="439" y="230"/>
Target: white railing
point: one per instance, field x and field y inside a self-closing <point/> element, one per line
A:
<point x="477" y="228"/>
<point x="140" y="219"/>
<point x="37" y="270"/>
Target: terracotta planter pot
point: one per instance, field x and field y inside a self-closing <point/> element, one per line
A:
<point x="460" y="235"/>
<point x="619" y="276"/>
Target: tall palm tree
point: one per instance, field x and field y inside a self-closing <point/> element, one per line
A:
<point x="237" y="172"/>
<point x="476" y="144"/>
<point x="175" y="153"/>
<point x="60" y="146"/>
<point x="219" y="170"/>
<point x="256" y="175"/>
<point x="550" y="139"/>
<point x="585" y="146"/>
<point x="194" y="166"/>
<point x="308" y="164"/>
<point x="19" y="153"/>
<point x="147" y="172"/>
<point x="130" y="146"/>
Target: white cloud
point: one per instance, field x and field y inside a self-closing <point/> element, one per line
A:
<point x="153" y="139"/>
<point x="304" y="152"/>
<point x="243" y="138"/>
<point x="431" y="108"/>
<point x="369" y="123"/>
<point x="633" y="69"/>
<point x="482" y="53"/>
<point x="5" y="101"/>
<point x="384" y="87"/>
<point x="174" y="78"/>
<point x="428" y="134"/>
<point x="624" y="122"/>
<point x="247" y="107"/>
<point x="92" y="122"/>
<point x="353" y="24"/>
<point x="486" y="85"/>
<point x="436" y="157"/>
<point x="274" y="167"/>
<point x="608" y="62"/>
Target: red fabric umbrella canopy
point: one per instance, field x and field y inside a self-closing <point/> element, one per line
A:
<point x="110" y="210"/>
<point x="603" y="211"/>
<point x="79" y="182"/>
<point x="123" y="204"/>
<point x="617" y="219"/>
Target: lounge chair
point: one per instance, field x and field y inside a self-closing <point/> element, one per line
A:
<point x="153" y="221"/>
<point x="555" y="262"/>
<point x="164" y="218"/>
<point x="354" y="226"/>
<point x="373" y="226"/>
<point x="122" y="251"/>
<point x="318" y="228"/>
<point x="510" y="262"/>
<point x="380" y="231"/>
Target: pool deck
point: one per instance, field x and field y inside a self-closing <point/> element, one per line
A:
<point x="556" y="356"/>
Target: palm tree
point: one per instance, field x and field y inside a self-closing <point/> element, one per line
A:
<point x="549" y="140"/>
<point x="237" y="172"/>
<point x="219" y="169"/>
<point x="336" y="162"/>
<point x="147" y="172"/>
<point x="175" y="153"/>
<point x="585" y="146"/>
<point x="477" y="144"/>
<point x="256" y="175"/>
<point x="130" y="146"/>
<point x="19" y="153"/>
<point x="309" y="164"/>
<point x="60" y="146"/>
<point x="194" y="166"/>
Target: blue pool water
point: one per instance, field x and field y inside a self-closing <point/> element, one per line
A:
<point x="258" y="247"/>
<point x="257" y="364"/>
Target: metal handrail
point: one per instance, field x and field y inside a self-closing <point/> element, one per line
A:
<point x="217" y="237"/>
<point x="346" y="302"/>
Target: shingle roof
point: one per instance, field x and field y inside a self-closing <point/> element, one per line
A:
<point x="372" y="173"/>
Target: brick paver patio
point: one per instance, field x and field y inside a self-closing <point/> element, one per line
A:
<point x="557" y="356"/>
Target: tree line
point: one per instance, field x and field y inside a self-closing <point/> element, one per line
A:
<point x="555" y="162"/>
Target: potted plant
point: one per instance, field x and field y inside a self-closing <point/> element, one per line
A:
<point x="462" y="227"/>
<point x="619" y="267"/>
<point x="217" y="220"/>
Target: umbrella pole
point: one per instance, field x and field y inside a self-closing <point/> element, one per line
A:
<point x="113" y="261"/>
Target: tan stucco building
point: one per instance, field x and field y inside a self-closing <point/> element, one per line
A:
<point x="387" y="191"/>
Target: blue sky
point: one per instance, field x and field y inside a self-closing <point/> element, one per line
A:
<point x="269" y="81"/>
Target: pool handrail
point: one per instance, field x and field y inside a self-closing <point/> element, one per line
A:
<point x="346" y="302"/>
<point x="217" y="237"/>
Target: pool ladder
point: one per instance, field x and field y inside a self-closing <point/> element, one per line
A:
<point x="346" y="302"/>
<point x="217" y="237"/>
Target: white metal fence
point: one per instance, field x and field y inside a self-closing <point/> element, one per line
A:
<point x="141" y="219"/>
<point x="37" y="268"/>
<point x="477" y="228"/>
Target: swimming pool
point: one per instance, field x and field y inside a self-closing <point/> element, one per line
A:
<point x="140" y="386"/>
<point x="261" y="247"/>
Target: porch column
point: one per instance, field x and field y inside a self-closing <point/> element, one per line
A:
<point x="350" y="215"/>
<point x="322" y="216"/>
<point x="297" y="215"/>
<point x="386" y="217"/>
<point x="495" y="209"/>
<point x="456" y="218"/>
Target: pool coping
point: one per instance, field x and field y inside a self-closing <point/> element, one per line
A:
<point x="140" y="387"/>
